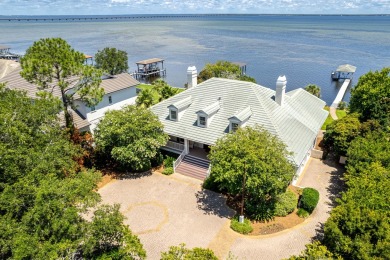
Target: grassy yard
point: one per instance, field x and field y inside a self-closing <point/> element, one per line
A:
<point x="340" y="114"/>
<point x="155" y="94"/>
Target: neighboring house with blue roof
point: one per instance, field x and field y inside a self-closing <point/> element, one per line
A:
<point x="197" y="117"/>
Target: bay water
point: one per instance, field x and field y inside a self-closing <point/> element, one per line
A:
<point x="304" y="48"/>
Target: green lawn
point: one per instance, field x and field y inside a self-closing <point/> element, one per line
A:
<point x="340" y="114"/>
<point x="155" y="94"/>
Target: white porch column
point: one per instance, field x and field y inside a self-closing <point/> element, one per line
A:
<point x="186" y="146"/>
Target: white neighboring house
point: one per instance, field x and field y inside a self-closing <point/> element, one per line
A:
<point x="120" y="90"/>
<point x="197" y="117"/>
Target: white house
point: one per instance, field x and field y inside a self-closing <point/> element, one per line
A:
<point x="120" y="90"/>
<point x="197" y="117"/>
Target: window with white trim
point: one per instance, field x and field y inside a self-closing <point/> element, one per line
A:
<point x="173" y="114"/>
<point x="202" y="121"/>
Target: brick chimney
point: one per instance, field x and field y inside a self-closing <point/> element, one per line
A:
<point x="192" y="77"/>
<point x="280" y="90"/>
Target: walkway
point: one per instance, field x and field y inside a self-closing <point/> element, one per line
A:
<point x="169" y="210"/>
<point x="338" y="99"/>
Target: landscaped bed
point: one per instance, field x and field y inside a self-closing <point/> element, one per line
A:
<point x="277" y="224"/>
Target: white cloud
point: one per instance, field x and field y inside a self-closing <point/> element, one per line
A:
<point x="47" y="7"/>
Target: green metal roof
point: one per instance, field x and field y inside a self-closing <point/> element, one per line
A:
<point x="296" y="123"/>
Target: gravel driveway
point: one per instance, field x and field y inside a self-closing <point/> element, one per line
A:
<point x="169" y="210"/>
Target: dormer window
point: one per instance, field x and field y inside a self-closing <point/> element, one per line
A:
<point x="206" y="115"/>
<point x="177" y="109"/>
<point x="234" y="127"/>
<point x="202" y="121"/>
<point x="173" y="115"/>
<point x="239" y="119"/>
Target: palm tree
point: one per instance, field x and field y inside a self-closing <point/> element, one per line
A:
<point x="145" y="98"/>
<point x="314" y="90"/>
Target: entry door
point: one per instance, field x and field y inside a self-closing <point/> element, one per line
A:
<point x="191" y="144"/>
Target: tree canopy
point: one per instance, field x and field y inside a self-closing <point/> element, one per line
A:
<point x="112" y="60"/>
<point x="223" y="69"/>
<point x="52" y="62"/>
<point x="314" y="90"/>
<point x="182" y="253"/>
<point x="371" y="96"/>
<point x="359" y="227"/>
<point x="164" y="90"/>
<point x="131" y="136"/>
<point x="340" y="133"/>
<point x="157" y="92"/>
<point x="44" y="194"/>
<point x="263" y="158"/>
<point x="145" y="98"/>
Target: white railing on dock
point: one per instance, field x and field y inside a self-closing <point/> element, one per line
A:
<point x="178" y="161"/>
<point x="341" y="93"/>
<point x="174" y="145"/>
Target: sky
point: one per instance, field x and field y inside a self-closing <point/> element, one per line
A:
<point x="112" y="7"/>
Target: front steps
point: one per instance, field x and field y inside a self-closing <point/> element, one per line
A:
<point x="193" y="167"/>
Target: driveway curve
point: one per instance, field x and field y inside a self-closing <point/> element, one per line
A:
<point x="169" y="210"/>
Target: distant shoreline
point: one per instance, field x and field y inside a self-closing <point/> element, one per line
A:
<point x="146" y="16"/>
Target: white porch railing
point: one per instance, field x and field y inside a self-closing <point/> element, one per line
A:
<point x="178" y="160"/>
<point x="174" y="145"/>
<point x="208" y="171"/>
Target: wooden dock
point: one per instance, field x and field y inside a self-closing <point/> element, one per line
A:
<point x="341" y="93"/>
<point x="338" y="99"/>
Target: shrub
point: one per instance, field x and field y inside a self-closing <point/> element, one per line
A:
<point x="342" y="105"/>
<point x="168" y="161"/>
<point x="242" y="228"/>
<point x="302" y="213"/>
<point x="168" y="171"/>
<point x="286" y="203"/>
<point x="309" y="199"/>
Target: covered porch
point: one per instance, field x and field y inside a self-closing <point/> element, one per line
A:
<point x="192" y="148"/>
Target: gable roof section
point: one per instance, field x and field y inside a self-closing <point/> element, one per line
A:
<point x="17" y="82"/>
<point x="296" y="123"/>
<point x="182" y="103"/>
<point x="210" y="109"/>
<point x="242" y="115"/>
<point x="111" y="84"/>
<point x="118" y="82"/>
<point x="78" y="119"/>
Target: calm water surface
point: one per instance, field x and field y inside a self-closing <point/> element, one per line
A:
<point x="304" y="48"/>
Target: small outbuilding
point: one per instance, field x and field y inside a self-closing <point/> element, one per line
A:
<point x="345" y="71"/>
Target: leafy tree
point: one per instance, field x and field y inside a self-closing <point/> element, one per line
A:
<point x="43" y="192"/>
<point x="371" y="96"/>
<point x="145" y="98"/>
<point x="112" y="60"/>
<point x="223" y="69"/>
<point x="164" y="90"/>
<point x="182" y="253"/>
<point x="131" y="136"/>
<point x="315" y="251"/>
<point x="314" y="90"/>
<point x="364" y="150"/>
<point x="262" y="157"/>
<point x="359" y="227"/>
<point x="52" y="62"/>
<point x="108" y="238"/>
<point x="340" y="133"/>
